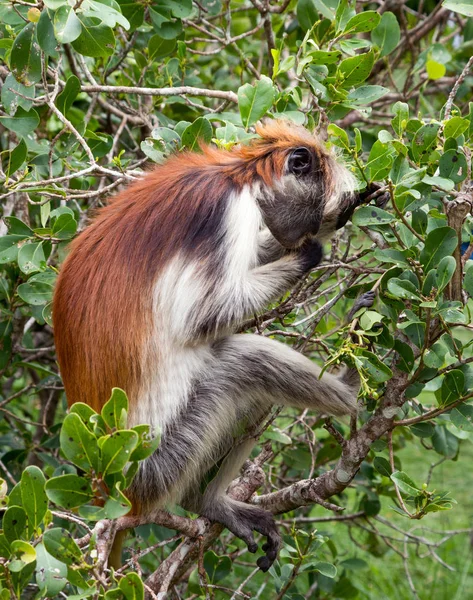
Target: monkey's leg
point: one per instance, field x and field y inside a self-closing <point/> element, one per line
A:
<point x="247" y="375"/>
<point x="194" y="443"/>
<point x="263" y="372"/>
<point x="283" y="376"/>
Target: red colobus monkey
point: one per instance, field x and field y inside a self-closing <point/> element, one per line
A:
<point x="151" y="292"/>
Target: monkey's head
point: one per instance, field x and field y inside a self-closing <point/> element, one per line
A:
<point x="301" y="188"/>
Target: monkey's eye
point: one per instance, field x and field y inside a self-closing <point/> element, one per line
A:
<point x="300" y="161"/>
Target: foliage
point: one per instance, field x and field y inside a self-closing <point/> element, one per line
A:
<point x="91" y="92"/>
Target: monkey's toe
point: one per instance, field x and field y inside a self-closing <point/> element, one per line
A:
<point x="382" y="200"/>
<point x="366" y="300"/>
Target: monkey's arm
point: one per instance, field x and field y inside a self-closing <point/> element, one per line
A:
<point x="373" y="192"/>
<point x="236" y="297"/>
<point x="269" y="249"/>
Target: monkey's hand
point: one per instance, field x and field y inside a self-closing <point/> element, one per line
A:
<point x="310" y="254"/>
<point x="376" y="192"/>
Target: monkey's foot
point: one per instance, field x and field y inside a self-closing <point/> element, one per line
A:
<point x="366" y="300"/>
<point x="242" y="520"/>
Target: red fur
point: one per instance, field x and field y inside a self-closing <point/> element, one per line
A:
<point x="102" y="304"/>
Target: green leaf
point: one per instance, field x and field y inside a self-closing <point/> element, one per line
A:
<point x="217" y="567"/>
<point x="15" y="158"/>
<point x="451" y="312"/>
<point x="380" y="161"/>
<point x="132" y="587"/>
<point x="114" y="411"/>
<point x="468" y="280"/>
<point x="455" y="126"/>
<point x="64" y="226"/>
<point x="370" y="318"/>
<point x="31" y="258"/>
<point x="179" y="8"/>
<point x="199" y="131"/>
<point x="406" y="356"/>
<point x="79" y="444"/>
<point x="23" y="553"/>
<point x="255" y="100"/>
<point x="422" y="430"/>
<point x="25" y="59"/>
<point x="116" y="506"/>
<point x="440" y="182"/>
<point x="69" y="491"/>
<point x="36" y="291"/>
<point x="14" y="523"/>
<point x="453" y="165"/>
<point x="402" y="288"/>
<point x="307" y="13"/>
<point x="67" y="26"/>
<point x="464" y="8"/>
<point x="376" y="370"/>
<point x="15" y="94"/>
<point x="45" y="33"/>
<point x="435" y="356"/>
<point x="51" y="574"/>
<point x="462" y="417"/>
<point x="397" y="257"/>
<point x="326" y="568"/>
<point x="158" y="47"/>
<point x="324" y="57"/>
<point x="104" y="12"/>
<point x="382" y="466"/>
<point x="340" y="135"/>
<point x="9" y="248"/>
<point x="22" y="123"/>
<point x="424" y="142"/>
<point x="116" y="450"/>
<point x="356" y="69"/>
<point x="401" y="112"/>
<point x="277" y="436"/>
<point x="96" y="41"/>
<point x="444" y="442"/>
<point x="149" y="443"/>
<point x="33" y="496"/>
<point x="60" y="544"/>
<point x="366" y="94"/>
<point x="372" y="215"/>
<point x="354" y="564"/>
<point x="445" y="270"/>
<point x="18" y="227"/>
<point x="435" y="70"/>
<point x="387" y="34"/>
<point x="362" y="22"/>
<point x="69" y="94"/>
<point x="405" y="483"/>
<point x="452" y="386"/>
<point x="439" y="243"/>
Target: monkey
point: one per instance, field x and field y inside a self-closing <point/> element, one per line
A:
<point x="152" y="291"/>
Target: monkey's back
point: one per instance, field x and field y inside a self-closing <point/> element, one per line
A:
<point x="105" y="300"/>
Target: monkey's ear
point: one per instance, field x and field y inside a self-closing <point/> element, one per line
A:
<point x="300" y="161"/>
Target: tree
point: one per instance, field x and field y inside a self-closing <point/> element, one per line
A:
<point x="91" y="93"/>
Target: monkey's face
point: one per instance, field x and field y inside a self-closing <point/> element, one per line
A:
<point x="312" y="194"/>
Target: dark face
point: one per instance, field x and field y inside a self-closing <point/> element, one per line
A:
<point x="293" y="208"/>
